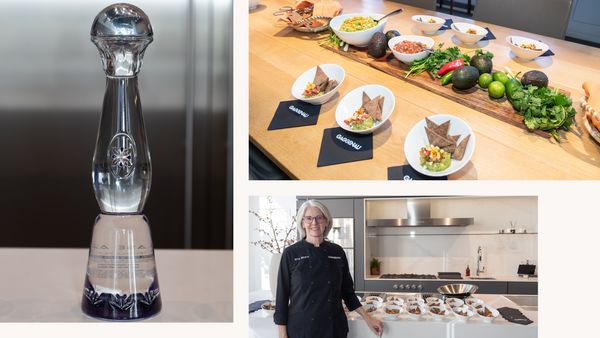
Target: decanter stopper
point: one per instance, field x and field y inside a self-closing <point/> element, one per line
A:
<point x="121" y="32"/>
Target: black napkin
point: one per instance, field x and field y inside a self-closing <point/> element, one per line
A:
<point x="489" y="36"/>
<point x="446" y="25"/>
<point x="340" y="146"/>
<point x="407" y="173"/>
<point x="514" y="316"/>
<point x="294" y="113"/>
<point x="548" y="53"/>
<point x="256" y="305"/>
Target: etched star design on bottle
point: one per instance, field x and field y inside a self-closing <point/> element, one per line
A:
<point x="121" y="281"/>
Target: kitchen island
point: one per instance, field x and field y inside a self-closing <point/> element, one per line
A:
<point x="279" y="54"/>
<point x="262" y="326"/>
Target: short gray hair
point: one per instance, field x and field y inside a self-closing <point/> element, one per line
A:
<point x="302" y="211"/>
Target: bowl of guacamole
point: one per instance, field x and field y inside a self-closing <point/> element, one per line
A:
<point x="357" y="28"/>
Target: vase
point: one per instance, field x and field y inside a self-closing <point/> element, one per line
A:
<point x="273" y="270"/>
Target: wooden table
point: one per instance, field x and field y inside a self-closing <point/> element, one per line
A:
<point x="279" y="54"/>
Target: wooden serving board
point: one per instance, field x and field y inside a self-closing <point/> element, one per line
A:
<point x="475" y="98"/>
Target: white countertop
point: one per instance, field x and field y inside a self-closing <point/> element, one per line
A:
<point x="46" y="285"/>
<point x="262" y="326"/>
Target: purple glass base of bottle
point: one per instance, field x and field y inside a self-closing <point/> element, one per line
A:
<point x="121" y="307"/>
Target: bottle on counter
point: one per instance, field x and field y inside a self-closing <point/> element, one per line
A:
<point x="468" y="272"/>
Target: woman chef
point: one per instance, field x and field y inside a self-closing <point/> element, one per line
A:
<point x="313" y="280"/>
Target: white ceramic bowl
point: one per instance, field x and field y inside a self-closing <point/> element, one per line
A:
<point x="394" y="298"/>
<point x="515" y="42"/>
<point x="495" y="314"/>
<point x="419" y="302"/>
<point x="333" y="71"/>
<point x="369" y="308"/>
<point x="454" y="302"/>
<point x="436" y="316"/>
<point x="409" y="58"/>
<point x="415" y="316"/>
<point x="391" y="316"/>
<point x="417" y="138"/>
<point x="265" y="307"/>
<point x="474" y="302"/>
<point x="352" y="101"/>
<point x="463" y="309"/>
<point x="434" y="301"/>
<point x="460" y="29"/>
<point x="361" y="38"/>
<point x="374" y="300"/>
<point x="398" y="302"/>
<point x="423" y="24"/>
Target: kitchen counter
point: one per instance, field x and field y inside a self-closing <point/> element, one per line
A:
<point x="278" y="55"/>
<point x="512" y="278"/>
<point x="46" y="285"/>
<point x="262" y="326"/>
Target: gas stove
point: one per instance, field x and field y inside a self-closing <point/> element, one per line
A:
<point x="407" y="276"/>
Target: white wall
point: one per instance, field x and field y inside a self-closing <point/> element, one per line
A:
<point x="432" y="250"/>
<point x="260" y="259"/>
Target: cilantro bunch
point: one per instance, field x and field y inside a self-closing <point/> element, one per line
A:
<point x="543" y="108"/>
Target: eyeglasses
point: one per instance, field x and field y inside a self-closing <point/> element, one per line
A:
<point x="310" y="219"/>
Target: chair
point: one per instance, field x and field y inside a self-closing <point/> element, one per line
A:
<point x="545" y="17"/>
<point x="426" y="4"/>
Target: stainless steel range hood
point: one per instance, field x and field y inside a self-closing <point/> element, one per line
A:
<point x="419" y="215"/>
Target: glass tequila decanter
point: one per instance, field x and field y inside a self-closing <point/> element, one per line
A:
<point x="121" y="281"/>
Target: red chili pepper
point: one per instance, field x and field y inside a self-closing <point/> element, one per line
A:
<point x="452" y="65"/>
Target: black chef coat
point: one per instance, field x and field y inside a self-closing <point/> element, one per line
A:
<point x="314" y="280"/>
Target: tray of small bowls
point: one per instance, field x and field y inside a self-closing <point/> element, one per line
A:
<point x="454" y="302"/>
<point x="439" y="312"/>
<point x="415" y="310"/>
<point x="392" y="312"/>
<point x="463" y="313"/>
<point x="487" y="314"/>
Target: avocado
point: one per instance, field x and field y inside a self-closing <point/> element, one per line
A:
<point x="377" y="45"/>
<point x="465" y="77"/>
<point x="482" y="63"/>
<point x="391" y="34"/>
<point x="535" y="78"/>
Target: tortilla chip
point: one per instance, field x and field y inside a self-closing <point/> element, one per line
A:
<point x="365" y="99"/>
<point x="379" y="116"/>
<point x="437" y="139"/>
<point x="460" y="150"/>
<point x="320" y="77"/>
<point x="430" y="124"/>
<point x="442" y="129"/>
<point x="454" y="137"/>
<point x="372" y="108"/>
<point x="450" y="149"/>
<point x="331" y="84"/>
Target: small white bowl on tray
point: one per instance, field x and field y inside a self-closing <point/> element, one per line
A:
<point x="437" y="316"/>
<point x="268" y="307"/>
<point x="410" y="58"/>
<point x="415" y="316"/>
<point x="393" y="298"/>
<point x="424" y="25"/>
<point x="461" y="28"/>
<point x="462" y="309"/>
<point x="495" y="314"/>
<point x="455" y="302"/>
<point x="515" y="42"/>
<point x="434" y="301"/>
<point x="360" y="38"/>
<point x="474" y="302"/>
<point x="332" y="71"/>
<point x="392" y="316"/>
<point x="352" y="101"/>
<point x="417" y="138"/>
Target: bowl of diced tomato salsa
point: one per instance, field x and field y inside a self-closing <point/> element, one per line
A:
<point x="410" y="48"/>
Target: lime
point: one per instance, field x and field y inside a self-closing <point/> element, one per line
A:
<point x="511" y="85"/>
<point x="500" y="76"/>
<point x="485" y="79"/>
<point x="496" y="89"/>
